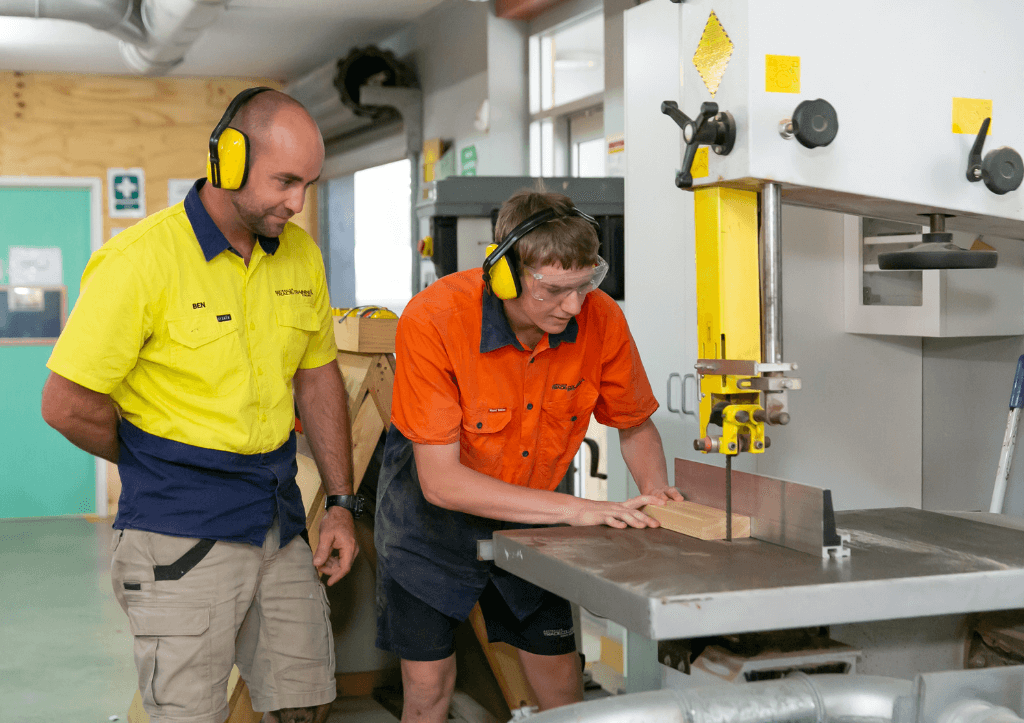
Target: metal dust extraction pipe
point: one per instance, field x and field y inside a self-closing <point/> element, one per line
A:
<point x="155" y="34"/>
<point x="172" y="26"/>
<point x="796" y="699"/>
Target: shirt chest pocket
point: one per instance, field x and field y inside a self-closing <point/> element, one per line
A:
<point x="298" y="323"/>
<point x="206" y="354"/>
<point x="484" y="437"/>
<point x="565" y="418"/>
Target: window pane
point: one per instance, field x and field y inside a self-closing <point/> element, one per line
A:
<point x="547" y="69"/>
<point x="535" y="149"/>
<point x="547" y="148"/>
<point x="383" y="258"/>
<point x="535" y="74"/>
<point x="578" y="63"/>
<point x="591" y="158"/>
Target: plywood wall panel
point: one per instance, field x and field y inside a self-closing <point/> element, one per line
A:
<point x="55" y="124"/>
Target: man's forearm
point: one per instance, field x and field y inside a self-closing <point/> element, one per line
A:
<point x="644" y="456"/>
<point x="323" y="408"/>
<point x="475" y="493"/>
<point x="96" y="433"/>
<point x="86" y="418"/>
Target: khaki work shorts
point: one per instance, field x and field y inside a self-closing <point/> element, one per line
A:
<point x="196" y="607"/>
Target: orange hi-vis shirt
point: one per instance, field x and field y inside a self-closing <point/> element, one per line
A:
<point x="519" y="415"/>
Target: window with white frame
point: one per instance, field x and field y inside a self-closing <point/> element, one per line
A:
<point x="383" y="261"/>
<point x="566" y="98"/>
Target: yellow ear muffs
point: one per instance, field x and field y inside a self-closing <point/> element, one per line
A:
<point x="227" y="163"/>
<point x="233" y="152"/>
<point x="504" y="283"/>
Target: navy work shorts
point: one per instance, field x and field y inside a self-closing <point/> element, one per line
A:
<point x="412" y="630"/>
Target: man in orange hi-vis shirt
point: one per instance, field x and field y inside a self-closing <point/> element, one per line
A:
<point x="496" y="380"/>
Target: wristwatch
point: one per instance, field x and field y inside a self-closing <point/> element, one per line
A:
<point x="353" y="503"/>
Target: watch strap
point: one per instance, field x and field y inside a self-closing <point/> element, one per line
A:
<point x="353" y="503"/>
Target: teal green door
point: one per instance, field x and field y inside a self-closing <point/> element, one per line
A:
<point x="41" y="473"/>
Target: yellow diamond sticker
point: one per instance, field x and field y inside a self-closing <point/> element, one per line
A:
<point x="713" y="53"/>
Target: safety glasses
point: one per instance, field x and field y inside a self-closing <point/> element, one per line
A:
<point x="557" y="287"/>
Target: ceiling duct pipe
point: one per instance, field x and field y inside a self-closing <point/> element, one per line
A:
<point x="172" y="26"/>
<point x="120" y="18"/>
<point x="155" y="35"/>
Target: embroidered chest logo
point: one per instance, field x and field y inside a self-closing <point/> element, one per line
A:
<point x="567" y="387"/>
<point x="294" y="292"/>
<point x="497" y="409"/>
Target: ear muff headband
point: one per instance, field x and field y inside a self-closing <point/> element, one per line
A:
<point x="227" y="165"/>
<point x="501" y="266"/>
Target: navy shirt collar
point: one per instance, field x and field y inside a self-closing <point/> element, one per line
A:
<point x="496" y="332"/>
<point x="211" y="240"/>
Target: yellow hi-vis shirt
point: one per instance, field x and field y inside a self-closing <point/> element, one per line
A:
<point x="193" y="345"/>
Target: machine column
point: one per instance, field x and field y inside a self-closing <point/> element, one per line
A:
<point x="771" y="273"/>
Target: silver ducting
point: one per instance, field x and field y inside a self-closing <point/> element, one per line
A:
<point x="155" y="34"/>
<point x="117" y="17"/>
<point x="172" y="26"/>
<point x="797" y="699"/>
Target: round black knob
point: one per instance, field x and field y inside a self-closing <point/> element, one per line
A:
<point x="815" y="123"/>
<point x="1002" y="170"/>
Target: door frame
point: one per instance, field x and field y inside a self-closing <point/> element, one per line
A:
<point x="95" y="188"/>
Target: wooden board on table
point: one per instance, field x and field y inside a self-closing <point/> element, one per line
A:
<point x="365" y="335"/>
<point x="700" y="521"/>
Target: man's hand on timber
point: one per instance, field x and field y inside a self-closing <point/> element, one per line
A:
<point x="666" y="493"/>
<point x="615" y="514"/>
<point x="337" y="534"/>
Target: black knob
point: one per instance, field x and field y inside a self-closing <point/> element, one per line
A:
<point x="1002" y="170"/>
<point x="815" y="123"/>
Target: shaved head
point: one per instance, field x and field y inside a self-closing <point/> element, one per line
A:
<point x="258" y="116"/>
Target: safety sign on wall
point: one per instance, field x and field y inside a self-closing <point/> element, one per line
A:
<point x="126" y="193"/>
<point x="468" y="157"/>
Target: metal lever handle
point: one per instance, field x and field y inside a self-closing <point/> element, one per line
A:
<point x="689" y="412"/>
<point x="1002" y="169"/>
<point x="709" y="128"/>
<point x="974" y="157"/>
<point x="681" y="410"/>
<point x="668" y="392"/>
<point x="595" y="458"/>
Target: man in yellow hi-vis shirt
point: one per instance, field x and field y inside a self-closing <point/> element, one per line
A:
<point x="178" y="364"/>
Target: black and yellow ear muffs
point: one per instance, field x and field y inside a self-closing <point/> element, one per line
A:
<point x="227" y="166"/>
<point x="502" y="272"/>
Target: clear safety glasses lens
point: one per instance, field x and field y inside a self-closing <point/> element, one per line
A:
<point x="556" y="287"/>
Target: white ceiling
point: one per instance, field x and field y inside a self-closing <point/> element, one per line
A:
<point x="280" y="39"/>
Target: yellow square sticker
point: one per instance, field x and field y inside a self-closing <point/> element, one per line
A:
<point x="968" y="113"/>
<point x="699" y="169"/>
<point x="782" y="73"/>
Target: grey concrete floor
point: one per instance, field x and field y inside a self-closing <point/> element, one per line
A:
<point x="65" y="649"/>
